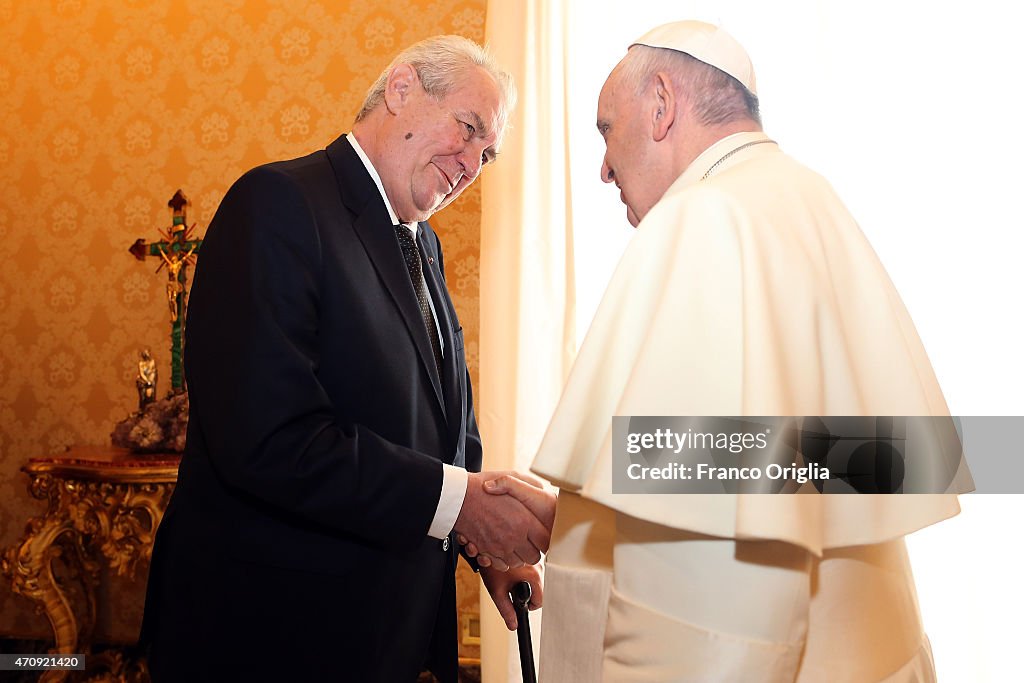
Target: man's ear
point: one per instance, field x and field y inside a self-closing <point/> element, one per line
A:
<point x="400" y="84"/>
<point x="666" y="102"/>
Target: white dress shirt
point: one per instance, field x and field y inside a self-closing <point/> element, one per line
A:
<point x="456" y="479"/>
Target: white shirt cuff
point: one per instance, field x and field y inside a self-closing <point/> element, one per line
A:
<point x="453" y="493"/>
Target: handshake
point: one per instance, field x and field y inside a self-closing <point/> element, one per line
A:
<point x="506" y="519"/>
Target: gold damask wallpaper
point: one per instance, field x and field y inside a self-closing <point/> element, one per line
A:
<point x="106" y="108"/>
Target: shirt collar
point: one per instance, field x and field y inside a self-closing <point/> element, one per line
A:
<point x="413" y="227"/>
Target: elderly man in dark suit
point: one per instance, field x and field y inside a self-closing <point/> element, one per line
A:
<point x="332" y="449"/>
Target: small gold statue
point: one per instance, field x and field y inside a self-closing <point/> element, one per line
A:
<point x="146" y="380"/>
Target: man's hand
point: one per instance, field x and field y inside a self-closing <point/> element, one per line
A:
<point x="527" y="490"/>
<point x="506" y="531"/>
<point x="500" y="583"/>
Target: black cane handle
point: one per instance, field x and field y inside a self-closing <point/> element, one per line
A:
<point x="521" y="594"/>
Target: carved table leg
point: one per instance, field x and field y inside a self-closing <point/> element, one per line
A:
<point x="88" y="521"/>
<point x="51" y="541"/>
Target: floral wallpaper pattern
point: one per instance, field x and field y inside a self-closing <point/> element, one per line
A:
<point x="106" y="108"/>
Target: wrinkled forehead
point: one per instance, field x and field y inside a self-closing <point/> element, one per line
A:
<point x="611" y="89"/>
<point x="477" y="91"/>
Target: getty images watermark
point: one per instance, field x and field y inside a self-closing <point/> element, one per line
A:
<point x="848" y="455"/>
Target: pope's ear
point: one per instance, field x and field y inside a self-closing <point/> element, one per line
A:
<point x="663" y="113"/>
<point x="400" y="84"/>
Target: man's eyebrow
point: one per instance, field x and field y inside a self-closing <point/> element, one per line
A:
<point x="478" y="124"/>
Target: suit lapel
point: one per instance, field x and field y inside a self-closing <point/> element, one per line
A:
<point x="373" y="227"/>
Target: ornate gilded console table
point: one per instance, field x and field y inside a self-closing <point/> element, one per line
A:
<point x="104" y="506"/>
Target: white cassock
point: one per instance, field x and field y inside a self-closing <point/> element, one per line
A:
<point x="751" y="291"/>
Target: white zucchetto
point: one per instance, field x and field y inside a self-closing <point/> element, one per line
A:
<point x="707" y="43"/>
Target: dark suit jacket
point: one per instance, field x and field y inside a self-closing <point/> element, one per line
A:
<point x="318" y="426"/>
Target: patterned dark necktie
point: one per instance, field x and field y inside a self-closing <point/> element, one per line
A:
<point x="419" y="285"/>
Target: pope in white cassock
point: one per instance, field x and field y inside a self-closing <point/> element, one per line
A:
<point x="747" y="290"/>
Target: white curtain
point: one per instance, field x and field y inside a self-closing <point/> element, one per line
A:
<point x="527" y="329"/>
<point x="909" y="109"/>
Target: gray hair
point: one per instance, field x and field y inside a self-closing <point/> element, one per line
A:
<point x="439" y="61"/>
<point x="716" y="97"/>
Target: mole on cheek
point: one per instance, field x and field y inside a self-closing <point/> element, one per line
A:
<point x="408" y="135"/>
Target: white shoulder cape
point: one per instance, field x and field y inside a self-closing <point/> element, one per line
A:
<point x="752" y="292"/>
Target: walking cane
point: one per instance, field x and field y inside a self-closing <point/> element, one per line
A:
<point x="521" y="594"/>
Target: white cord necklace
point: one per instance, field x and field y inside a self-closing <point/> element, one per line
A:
<point x="729" y="154"/>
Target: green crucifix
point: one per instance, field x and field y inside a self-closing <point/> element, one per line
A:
<point x="176" y="252"/>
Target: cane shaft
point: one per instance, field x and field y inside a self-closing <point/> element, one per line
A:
<point x="521" y="594"/>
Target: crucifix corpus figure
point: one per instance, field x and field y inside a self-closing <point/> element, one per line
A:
<point x="177" y="252"/>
